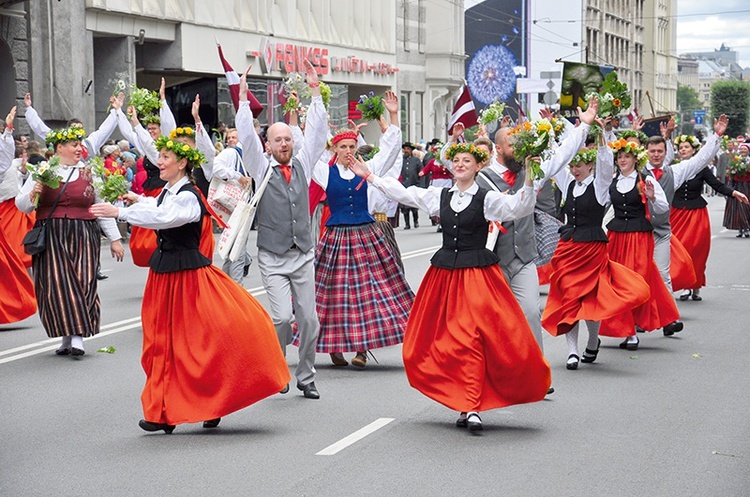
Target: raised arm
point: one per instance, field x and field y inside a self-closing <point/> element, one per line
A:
<point x="166" y="118"/>
<point x="386" y="157"/>
<point x="316" y="125"/>
<point x="7" y="143"/>
<point x="687" y="169"/>
<point x="33" y="120"/>
<point x="95" y="140"/>
<point x="202" y="140"/>
<point x="252" y="148"/>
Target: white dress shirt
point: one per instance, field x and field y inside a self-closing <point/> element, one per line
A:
<point x="626" y="183"/>
<point x="7" y="151"/>
<point x="497" y="206"/>
<point x="601" y="177"/>
<point x="688" y="169"/>
<point x="176" y="209"/>
<point x="24" y="203"/>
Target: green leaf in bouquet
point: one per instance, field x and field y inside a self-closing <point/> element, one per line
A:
<point x="371" y="106"/>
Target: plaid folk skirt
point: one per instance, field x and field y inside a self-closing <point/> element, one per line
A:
<point x="65" y="278"/>
<point x="361" y="293"/>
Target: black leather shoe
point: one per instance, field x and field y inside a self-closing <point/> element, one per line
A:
<point x="100" y="276"/>
<point x="245" y="270"/>
<point x="673" y="328"/>
<point x="285" y="389"/>
<point x="638" y="329"/>
<point x="685" y="296"/>
<point x="149" y="426"/>
<point x="212" y="423"/>
<point x="76" y="352"/>
<point x="589" y="355"/>
<point x="309" y="390"/>
<point x="407" y="227"/>
<point x="461" y="421"/>
<point x="551" y="390"/>
<point x="696" y="297"/>
<point x="63" y="351"/>
<point x="630" y="345"/>
<point x="416" y="225"/>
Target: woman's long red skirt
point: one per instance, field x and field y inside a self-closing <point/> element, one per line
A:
<point x="468" y="345"/>
<point x="586" y="285"/>
<point x="635" y="250"/>
<point x="692" y="228"/>
<point x="209" y="348"/>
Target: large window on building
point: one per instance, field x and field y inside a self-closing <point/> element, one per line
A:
<point x="405" y="115"/>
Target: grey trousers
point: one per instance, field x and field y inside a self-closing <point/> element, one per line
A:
<point x="524" y="283"/>
<point x="286" y="277"/>
<point x="662" y="257"/>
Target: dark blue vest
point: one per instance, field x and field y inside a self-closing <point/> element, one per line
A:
<point x="348" y="205"/>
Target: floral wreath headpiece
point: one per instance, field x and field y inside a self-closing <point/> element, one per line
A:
<point x="688" y="138"/>
<point x="151" y="119"/>
<point x="622" y="145"/>
<point x="344" y="135"/>
<point x="458" y="148"/>
<point x="73" y="133"/>
<point x="182" y="131"/>
<point x="632" y="133"/>
<point x="181" y="150"/>
<point x="586" y="156"/>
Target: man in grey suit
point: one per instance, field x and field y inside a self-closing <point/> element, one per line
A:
<point x="410" y="168"/>
<point x="285" y="245"/>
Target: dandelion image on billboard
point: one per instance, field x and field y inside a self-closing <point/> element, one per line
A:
<point x="490" y="75"/>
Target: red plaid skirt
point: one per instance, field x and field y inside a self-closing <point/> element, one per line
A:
<point x="586" y="284"/>
<point x="635" y="250"/>
<point x="362" y="296"/>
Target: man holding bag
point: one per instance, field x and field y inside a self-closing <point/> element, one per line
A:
<point x="285" y="245"/>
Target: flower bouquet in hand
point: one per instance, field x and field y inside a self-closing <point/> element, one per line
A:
<point x="371" y="106"/>
<point x="533" y="139"/>
<point x="109" y="185"/>
<point x="146" y="102"/>
<point x="614" y="97"/>
<point x="492" y="113"/>
<point x="738" y="165"/>
<point x="46" y="173"/>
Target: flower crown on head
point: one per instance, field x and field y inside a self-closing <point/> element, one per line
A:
<point x="181" y="150"/>
<point x="632" y="133"/>
<point x="622" y="145"/>
<point x="72" y="133"/>
<point x="344" y="135"/>
<point x="458" y="148"/>
<point x="151" y="119"/>
<point x="688" y="138"/>
<point x="587" y="156"/>
<point x="182" y="131"/>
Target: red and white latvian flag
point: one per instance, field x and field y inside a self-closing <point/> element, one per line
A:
<point x="464" y="111"/>
<point x="233" y="79"/>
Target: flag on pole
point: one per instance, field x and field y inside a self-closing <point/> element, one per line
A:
<point x="464" y="111"/>
<point x="233" y="79"/>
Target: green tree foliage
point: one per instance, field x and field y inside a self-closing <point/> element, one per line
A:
<point x="687" y="99"/>
<point x="733" y="99"/>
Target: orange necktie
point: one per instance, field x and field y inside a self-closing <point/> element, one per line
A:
<point x="658" y="173"/>
<point x="509" y="177"/>
<point x="286" y="170"/>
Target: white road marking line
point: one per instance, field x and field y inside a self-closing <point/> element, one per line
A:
<point x="135" y="322"/>
<point x="354" y="437"/>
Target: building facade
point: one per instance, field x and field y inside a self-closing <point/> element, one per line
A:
<point x="70" y="55"/>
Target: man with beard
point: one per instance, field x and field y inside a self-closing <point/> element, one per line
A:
<point x="516" y="244"/>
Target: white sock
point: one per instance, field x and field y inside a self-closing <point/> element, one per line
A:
<point x="632" y="339"/>
<point x="593" y="327"/>
<point x="572" y="339"/>
<point x="77" y="342"/>
<point x="697" y="291"/>
<point x="65" y="342"/>
<point x="474" y="413"/>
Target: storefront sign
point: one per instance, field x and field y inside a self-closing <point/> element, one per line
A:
<point x="288" y="57"/>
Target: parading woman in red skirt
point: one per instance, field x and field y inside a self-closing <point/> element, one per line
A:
<point x="631" y="243"/>
<point x="689" y="214"/>
<point x="585" y="284"/>
<point x="209" y="348"/>
<point x="467" y="343"/>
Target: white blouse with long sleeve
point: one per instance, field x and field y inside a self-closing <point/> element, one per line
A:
<point x="176" y="209"/>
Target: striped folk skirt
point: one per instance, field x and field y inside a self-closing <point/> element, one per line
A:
<point x="468" y="345"/>
<point x="737" y="214"/>
<point x="390" y="239"/>
<point x="635" y="250"/>
<point x="362" y="296"/>
<point x="16" y="224"/>
<point x="692" y="228"/>
<point x="586" y="285"/>
<point x="65" y="278"/>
